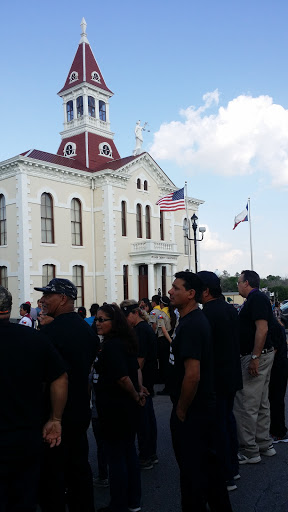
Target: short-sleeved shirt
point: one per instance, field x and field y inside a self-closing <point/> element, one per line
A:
<point x="118" y="412"/>
<point x="223" y="319"/>
<point x="78" y="344"/>
<point x="163" y="320"/>
<point x="27" y="360"/>
<point x="193" y="341"/>
<point x="256" y="307"/>
<point x="154" y="315"/>
<point x="26" y="320"/>
<point x="147" y="341"/>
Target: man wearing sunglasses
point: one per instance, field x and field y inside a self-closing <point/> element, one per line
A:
<point x="67" y="468"/>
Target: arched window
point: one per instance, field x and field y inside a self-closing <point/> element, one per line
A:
<point x="47" y="222"/>
<point x="77" y="279"/>
<point x="76" y="222"/>
<point x="3" y="225"/>
<point x="73" y="77"/>
<point x="95" y="76"/>
<point x="186" y="232"/>
<point x="145" y="185"/>
<point x="123" y="218"/>
<point x="69" y="149"/>
<point x="79" y="103"/>
<point x="161" y="225"/>
<point x="91" y="106"/>
<point x="3" y="277"/>
<point x="139" y="220"/>
<point x="102" y="110"/>
<point x="105" y="149"/>
<point x="139" y="183"/>
<point x="70" y="113"/>
<point x="48" y="273"/>
<point x="147" y="222"/>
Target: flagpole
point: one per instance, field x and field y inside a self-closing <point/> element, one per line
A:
<point x="188" y="231"/>
<point x="251" y="252"/>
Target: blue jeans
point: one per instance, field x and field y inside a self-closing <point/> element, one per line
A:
<point x="124" y="474"/>
<point x="147" y="430"/>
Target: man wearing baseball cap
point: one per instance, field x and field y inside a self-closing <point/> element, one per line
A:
<point x="68" y="466"/>
<point x="27" y="360"/>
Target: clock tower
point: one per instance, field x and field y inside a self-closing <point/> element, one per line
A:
<point x="86" y="136"/>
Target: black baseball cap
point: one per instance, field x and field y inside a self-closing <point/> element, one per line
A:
<point x="209" y="279"/>
<point x="62" y="286"/>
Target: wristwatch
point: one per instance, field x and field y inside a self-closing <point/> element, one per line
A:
<point x="253" y="356"/>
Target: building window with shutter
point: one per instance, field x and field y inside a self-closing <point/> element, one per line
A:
<point x="47" y="221"/>
<point x="78" y="281"/>
<point x="76" y="222"/>
<point x="139" y="220"/>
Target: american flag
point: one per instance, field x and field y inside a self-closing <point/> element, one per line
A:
<point x="172" y="202"/>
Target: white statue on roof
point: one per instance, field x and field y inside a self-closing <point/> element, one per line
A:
<point x="139" y="137"/>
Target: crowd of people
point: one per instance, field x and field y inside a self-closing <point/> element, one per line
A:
<point x="225" y="371"/>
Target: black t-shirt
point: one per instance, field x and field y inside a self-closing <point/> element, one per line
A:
<point x="78" y="344"/>
<point x="147" y="341"/>
<point x="192" y="341"/>
<point x="256" y="307"/>
<point x="278" y="337"/>
<point x="118" y="412"/>
<point x="223" y="319"/>
<point x="27" y="360"/>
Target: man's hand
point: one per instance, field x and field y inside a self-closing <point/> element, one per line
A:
<point x="52" y="432"/>
<point x="144" y="391"/>
<point x="253" y="367"/>
<point x="181" y="415"/>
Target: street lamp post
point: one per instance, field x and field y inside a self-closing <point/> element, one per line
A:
<point x="202" y="230"/>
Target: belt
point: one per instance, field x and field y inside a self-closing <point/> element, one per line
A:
<point x="264" y="351"/>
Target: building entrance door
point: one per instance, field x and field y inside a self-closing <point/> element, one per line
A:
<point x="143" y="281"/>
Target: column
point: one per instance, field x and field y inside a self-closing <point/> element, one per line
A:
<point x="151" y="283"/>
<point x="173" y="271"/>
<point x="135" y="283"/>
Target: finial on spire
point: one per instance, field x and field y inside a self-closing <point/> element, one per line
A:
<point x="83" y="25"/>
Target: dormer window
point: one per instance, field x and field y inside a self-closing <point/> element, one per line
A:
<point x="79" y="103"/>
<point x="73" y="77"/>
<point x="69" y="109"/>
<point x="95" y="76"/>
<point x="105" y="149"/>
<point x="69" y="149"/>
<point x="91" y="106"/>
<point x="102" y="110"/>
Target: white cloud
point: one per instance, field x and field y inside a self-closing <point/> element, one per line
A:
<point x="226" y="260"/>
<point x="211" y="242"/>
<point x="248" y="135"/>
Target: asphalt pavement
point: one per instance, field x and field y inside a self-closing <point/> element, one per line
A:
<point x="263" y="487"/>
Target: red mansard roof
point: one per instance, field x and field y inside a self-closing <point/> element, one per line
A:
<point x="91" y="65"/>
<point x="116" y="164"/>
<point x="55" y="159"/>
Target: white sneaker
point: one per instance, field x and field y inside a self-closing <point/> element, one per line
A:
<point x="269" y="452"/>
<point x="242" y="459"/>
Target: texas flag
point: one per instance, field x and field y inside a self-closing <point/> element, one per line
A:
<point x="242" y="217"/>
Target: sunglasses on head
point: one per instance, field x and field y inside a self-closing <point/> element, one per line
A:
<point x="101" y="319"/>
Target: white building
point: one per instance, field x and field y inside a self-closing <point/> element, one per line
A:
<point x="85" y="213"/>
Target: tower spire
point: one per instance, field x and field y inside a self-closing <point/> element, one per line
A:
<point x="84" y="38"/>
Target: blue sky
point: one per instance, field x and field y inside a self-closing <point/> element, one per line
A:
<point x="160" y="58"/>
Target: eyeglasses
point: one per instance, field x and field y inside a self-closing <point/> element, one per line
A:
<point x="101" y="320"/>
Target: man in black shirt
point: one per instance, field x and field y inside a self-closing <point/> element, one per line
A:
<point x="251" y="406"/>
<point x="223" y="319"/>
<point x="193" y="415"/>
<point x="68" y="467"/>
<point x="27" y="361"/>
